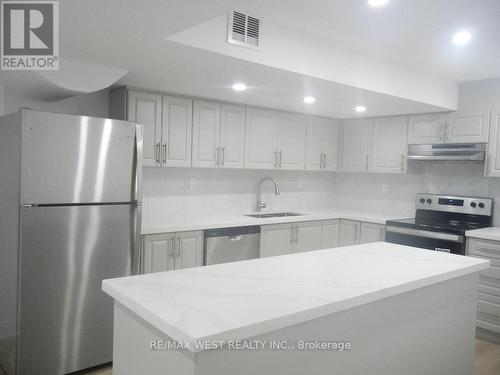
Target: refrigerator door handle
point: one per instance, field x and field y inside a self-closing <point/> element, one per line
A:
<point x="136" y="248"/>
<point x="137" y="197"/>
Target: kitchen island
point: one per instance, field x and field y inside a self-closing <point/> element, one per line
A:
<point x="376" y="308"/>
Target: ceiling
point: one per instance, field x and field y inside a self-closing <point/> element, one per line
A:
<point x="402" y="56"/>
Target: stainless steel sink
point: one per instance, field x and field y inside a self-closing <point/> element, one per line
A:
<point x="275" y="214"/>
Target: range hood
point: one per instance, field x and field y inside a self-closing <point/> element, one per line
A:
<point x="463" y="152"/>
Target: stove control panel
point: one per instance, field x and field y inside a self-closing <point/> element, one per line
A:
<point x="465" y="205"/>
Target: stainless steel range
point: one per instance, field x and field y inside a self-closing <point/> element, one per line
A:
<point x="440" y="222"/>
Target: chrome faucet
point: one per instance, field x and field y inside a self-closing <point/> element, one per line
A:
<point x="260" y="204"/>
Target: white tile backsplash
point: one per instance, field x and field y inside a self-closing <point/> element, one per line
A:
<point x="178" y="192"/>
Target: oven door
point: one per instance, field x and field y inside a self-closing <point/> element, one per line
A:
<point x="440" y="241"/>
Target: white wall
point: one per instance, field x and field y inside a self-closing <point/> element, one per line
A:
<point x="394" y="195"/>
<point x="167" y="191"/>
<point x="94" y="104"/>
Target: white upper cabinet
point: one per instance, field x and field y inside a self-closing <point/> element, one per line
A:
<point x="464" y="127"/>
<point x="261" y="141"/>
<point x="145" y="108"/>
<point x="322" y="144"/>
<point x="232" y="136"/>
<point x="176" y="131"/>
<point x="291" y="141"/>
<point x="206" y="134"/>
<point x="468" y="125"/>
<point x="492" y="165"/>
<point x="427" y="129"/>
<point x="356" y="145"/>
<point x="389" y="147"/>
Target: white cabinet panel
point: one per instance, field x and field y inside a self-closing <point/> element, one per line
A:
<point x="146" y="108"/>
<point x="488" y="304"/>
<point x="158" y="253"/>
<point x="330" y="145"/>
<point x="291" y="141"/>
<point x="389" y="147"/>
<point x="172" y="251"/>
<point x="206" y="134"/>
<point x="232" y="136"/>
<point x="371" y="232"/>
<point x="426" y="129"/>
<point x="492" y="165"/>
<point x="330" y="234"/>
<point x="314" y="146"/>
<point x="177" y="127"/>
<point x="307" y="236"/>
<point x="189" y="252"/>
<point x="275" y="240"/>
<point x="357" y="144"/>
<point x="261" y="142"/>
<point x="467" y="128"/>
<point x="349" y="232"/>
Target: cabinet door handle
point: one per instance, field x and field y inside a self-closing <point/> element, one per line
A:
<point x="217" y="149"/>
<point x="157" y="153"/>
<point x="223" y="156"/>
<point x="179" y="244"/>
<point x="280" y="159"/>
<point x="165" y="153"/>
<point x="320" y="161"/>
<point x="171" y="250"/>
<point x="366" y="161"/>
<point x="402" y="163"/>
<point x="275" y="158"/>
<point x="324" y="161"/>
<point x="292" y="228"/>
<point x="296" y="233"/>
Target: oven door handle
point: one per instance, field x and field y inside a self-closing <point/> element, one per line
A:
<point x="426" y="234"/>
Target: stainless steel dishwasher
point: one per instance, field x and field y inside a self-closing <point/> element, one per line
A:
<point x="231" y="244"/>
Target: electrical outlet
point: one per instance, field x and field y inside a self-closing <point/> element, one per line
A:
<point x="192" y="183"/>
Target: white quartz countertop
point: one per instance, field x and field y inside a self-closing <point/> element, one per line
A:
<point x="245" y="299"/>
<point x="166" y="224"/>
<point x="491" y="233"/>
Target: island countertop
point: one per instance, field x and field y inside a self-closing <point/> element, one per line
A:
<point x="245" y="299"/>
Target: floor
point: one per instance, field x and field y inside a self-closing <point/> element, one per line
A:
<point x="487" y="361"/>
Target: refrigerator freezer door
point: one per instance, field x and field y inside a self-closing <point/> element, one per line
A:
<point x="76" y="159"/>
<point x="66" y="321"/>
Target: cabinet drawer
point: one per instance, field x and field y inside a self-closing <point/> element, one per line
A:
<point x="489" y="287"/>
<point x="488" y="307"/>
<point x="489" y="298"/>
<point x="488" y="322"/>
<point x="484" y="249"/>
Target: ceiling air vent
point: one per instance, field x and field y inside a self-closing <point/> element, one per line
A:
<point x="243" y="30"/>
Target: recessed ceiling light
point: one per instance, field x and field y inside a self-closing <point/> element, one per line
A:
<point x="309" y="99"/>
<point x="239" y="87"/>
<point x="360" y="108"/>
<point x="461" y="38"/>
<point x="377" y="3"/>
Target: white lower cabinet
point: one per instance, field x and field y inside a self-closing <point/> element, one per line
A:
<point x="281" y="239"/>
<point x="349" y="232"/>
<point x="275" y="239"/>
<point x="354" y="232"/>
<point x="307" y="236"/>
<point x="371" y="232"/>
<point x="330" y="234"/>
<point x="488" y="296"/>
<point x="172" y="251"/>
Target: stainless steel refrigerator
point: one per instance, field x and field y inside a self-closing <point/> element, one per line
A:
<point x="70" y="209"/>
